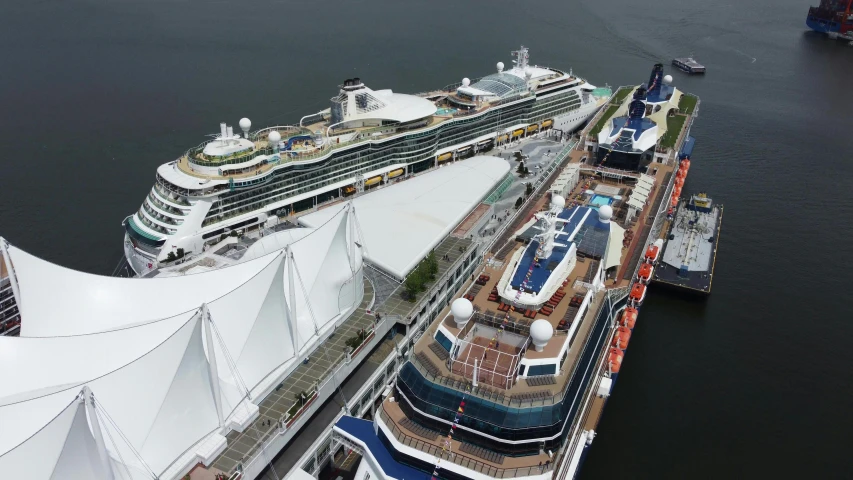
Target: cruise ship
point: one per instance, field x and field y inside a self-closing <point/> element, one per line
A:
<point x="511" y="380"/>
<point x="366" y="138"/>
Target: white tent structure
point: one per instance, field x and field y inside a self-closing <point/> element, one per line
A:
<point x="170" y="383"/>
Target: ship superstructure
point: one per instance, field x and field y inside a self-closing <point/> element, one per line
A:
<point x="833" y="17"/>
<point x="366" y="138"/>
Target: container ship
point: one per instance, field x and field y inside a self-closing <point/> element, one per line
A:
<point x="833" y="17"/>
<point x="366" y="138"/>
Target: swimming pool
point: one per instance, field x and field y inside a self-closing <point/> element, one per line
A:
<point x="445" y="111"/>
<point x="599" y="200"/>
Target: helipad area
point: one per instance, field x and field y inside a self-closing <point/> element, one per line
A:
<point x="400" y="224"/>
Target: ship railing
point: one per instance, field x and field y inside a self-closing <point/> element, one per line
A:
<point x="459" y="458"/>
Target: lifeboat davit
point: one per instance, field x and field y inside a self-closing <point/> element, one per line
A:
<point x="629" y="317"/>
<point x="621" y="338"/>
<point x="652" y="253"/>
<point x="645" y="273"/>
<point x="638" y="294"/>
<point x="615" y="359"/>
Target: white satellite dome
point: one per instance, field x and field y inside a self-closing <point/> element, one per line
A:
<point x="500" y="66"/>
<point x="528" y="73"/>
<point x="667" y="79"/>
<point x="462" y="309"/>
<point x="558" y="201"/>
<point x="605" y="213"/>
<point x="466" y="81"/>
<point x="245" y="123"/>
<point x="274" y="137"/>
<point x="540" y="332"/>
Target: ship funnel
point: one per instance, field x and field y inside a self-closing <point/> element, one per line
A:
<point x="223" y="130"/>
<point x="656" y="79"/>
<point x="230" y="131"/>
<point x="462" y="309"/>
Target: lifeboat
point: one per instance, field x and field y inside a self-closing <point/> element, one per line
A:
<point x="638" y="294"/>
<point x="518" y="133"/>
<point x="652" y="253"/>
<point x="615" y="359"/>
<point x="674" y="201"/>
<point x="685" y="164"/>
<point x="373" y="181"/>
<point x="396" y="173"/>
<point x="680" y="173"/>
<point x="645" y="273"/>
<point x="503" y="138"/>
<point x="547" y="123"/>
<point x="532" y="128"/>
<point x="679" y="181"/>
<point x="621" y="338"/>
<point x="676" y="192"/>
<point x="629" y="317"/>
<point x="445" y="157"/>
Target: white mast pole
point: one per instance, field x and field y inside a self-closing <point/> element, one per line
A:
<point x="213" y="371"/>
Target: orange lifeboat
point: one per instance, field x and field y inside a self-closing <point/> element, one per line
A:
<point x="621" y="338"/>
<point x="681" y="173"/>
<point x="645" y="273"/>
<point x="615" y="359"/>
<point x="685" y="164"/>
<point x="652" y="253"/>
<point x="679" y="181"/>
<point x="674" y="201"/>
<point x="638" y="293"/>
<point x="676" y="192"/>
<point x="629" y="317"/>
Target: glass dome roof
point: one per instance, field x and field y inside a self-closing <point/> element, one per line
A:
<point x="502" y="84"/>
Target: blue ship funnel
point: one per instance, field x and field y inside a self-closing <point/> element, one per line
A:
<point x="656" y="80"/>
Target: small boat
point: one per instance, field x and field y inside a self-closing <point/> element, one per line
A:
<point x="547" y="123"/>
<point x="445" y="157"/>
<point x="396" y="173"/>
<point x="638" y="294"/>
<point x="621" y="338"/>
<point x="629" y="317"/>
<point x="652" y="253"/>
<point x="615" y="359"/>
<point x="517" y="133"/>
<point x="532" y="128"/>
<point x="688" y="65"/>
<point x="645" y="273"/>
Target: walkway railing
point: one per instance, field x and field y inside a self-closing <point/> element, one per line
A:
<point x="459" y="458"/>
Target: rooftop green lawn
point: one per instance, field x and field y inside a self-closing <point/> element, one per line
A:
<point x="621" y="94"/>
<point x="687" y="103"/>
<point x="603" y="120"/>
<point x="673" y="129"/>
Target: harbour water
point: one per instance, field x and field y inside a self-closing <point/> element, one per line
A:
<point x="754" y="381"/>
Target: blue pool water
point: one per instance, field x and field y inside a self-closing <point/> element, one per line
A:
<point x="599" y="200"/>
<point x="445" y="111"/>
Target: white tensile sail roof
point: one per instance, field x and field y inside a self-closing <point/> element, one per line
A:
<point x="164" y="380"/>
<point x="156" y="407"/>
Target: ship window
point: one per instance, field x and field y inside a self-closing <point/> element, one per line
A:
<point x="536" y="370"/>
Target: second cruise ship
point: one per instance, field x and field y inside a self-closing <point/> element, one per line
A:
<point x="365" y="139"/>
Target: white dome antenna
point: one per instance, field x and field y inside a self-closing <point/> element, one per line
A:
<point x="558" y="201"/>
<point x="274" y="137"/>
<point x="466" y="81"/>
<point x="245" y="125"/>
<point x="667" y="79"/>
<point x="541" y="332"/>
<point x="605" y="213"/>
<point x="528" y="73"/>
<point x="500" y="66"/>
<point x="462" y="309"/>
